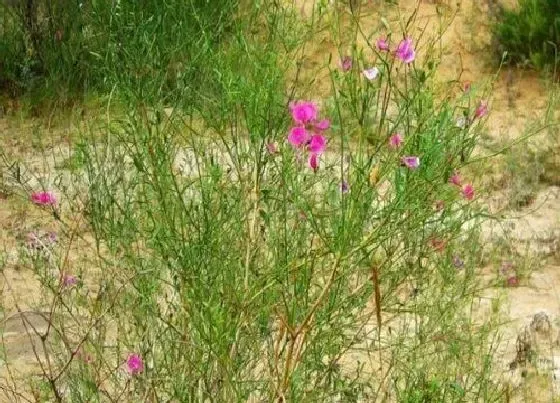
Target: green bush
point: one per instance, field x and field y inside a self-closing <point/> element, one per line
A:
<point x="216" y="254"/>
<point x="529" y="34"/>
<point x="66" y="48"/>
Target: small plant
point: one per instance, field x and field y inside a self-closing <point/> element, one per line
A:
<point x="530" y="34"/>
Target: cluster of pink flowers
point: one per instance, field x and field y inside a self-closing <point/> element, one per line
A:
<point x="467" y="189"/>
<point x="405" y="51"/>
<point x="307" y="133"/>
<point x="396" y="141"/>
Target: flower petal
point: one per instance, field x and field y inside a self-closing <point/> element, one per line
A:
<point x="317" y="144"/>
<point x="371" y="74"/>
<point x="298" y="136"/>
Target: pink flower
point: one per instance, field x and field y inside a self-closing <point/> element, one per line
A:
<point x="455" y="179"/>
<point x="344" y="187"/>
<point x="371" y="74"/>
<point x="317" y="144"/>
<point x="272" y="148"/>
<point x="322" y="125"/>
<point x="44" y="198"/>
<point x="134" y="364"/>
<point x="69" y="280"/>
<point x="481" y="110"/>
<point x="346" y="63"/>
<point x="405" y="51"/>
<point x="411" y="162"/>
<point x="303" y="112"/>
<point x="395" y="141"/>
<point x="298" y="136"/>
<point x="314" y="161"/>
<point x="383" y="44"/>
<point x="512" y="281"/>
<point x="468" y="191"/>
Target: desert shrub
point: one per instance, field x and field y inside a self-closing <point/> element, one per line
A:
<point x="258" y="245"/>
<point x="530" y="34"/>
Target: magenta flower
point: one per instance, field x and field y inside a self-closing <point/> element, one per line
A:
<point x="411" y="162"/>
<point x="346" y="63"/>
<point x="317" y="144"/>
<point x="303" y="112"/>
<point x="134" y="364"/>
<point x="455" y="179"/>
<point x="298" y="136"/>
<point x="313" y="161"/>
<point x="405" y="51"/>
<point x="481" y="110"/>
<point x="468" y="191"/>
<point x="344" y="187"/>
<point x="371" y="74"/>
<point x="395" y="141"/>
<point x="43" y="198"/>
<point x="383" y="44"/>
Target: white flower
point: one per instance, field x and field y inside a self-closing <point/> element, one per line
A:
<point x="461" y="122"/>
<point x="371" y="74"/>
